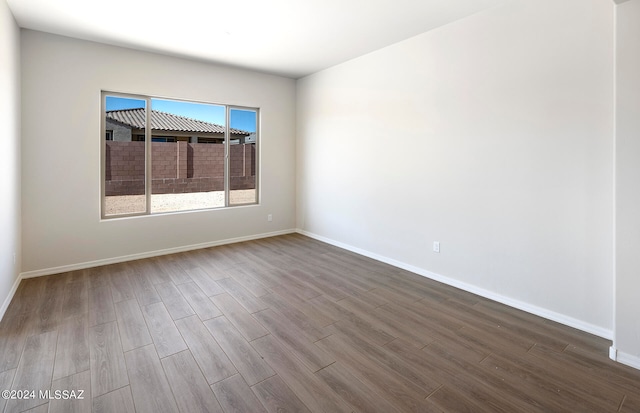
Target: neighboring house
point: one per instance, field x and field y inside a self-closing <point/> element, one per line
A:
<point x="127" y="125"/>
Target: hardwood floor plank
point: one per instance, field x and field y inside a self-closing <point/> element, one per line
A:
<point x="165" y="334"/>
<point x="326" y="308"/>
<point x="374" y="333"/>
<point x="354" y="391"/>
<point x="317" y="279"/>
<point x="447" y="399"/>
<point x="14" y="328"/>
<point x="206" y="283"/>
<point x="143" y="287"/>
<point x="78" y="389"/>
<point x="293" y="324"/>
<point x="248" y="362"/>
<point x="246" y="299"/>
<point x="350" y="348"/>
<point x="50" y="307"/>
<point x="108" y="369"/>
<point x="200" y="303"/>
<point x="119" y="400"/>
<point x="583" y="365"/>
<point x="122" y="288"/>
<point x="239" y="317"/>
<point x="550" y="392"/>
<point x="312" y="356"/>
<point x="189" y="386"/>
<point x="72" y="350"/>
<point x="43" y="408"/>
<point x="631" y="404"/>
<point x="149" y="387"/>
<point x="313" y="392"/>
<point x="235" y="396"/>
<point x="35" y="370"/>
<point x="300" y="284"/>
<point x="101" y="309"/>
<point x="171" y="265"/>
<point x="248" y="281"/>
<point x="156" y="270"/>
<point x="75" y="300"/>
<point x="133" y="329"/>
<point x="6" y="378"/>
<point x="452" y="375"/>
<point x="482" y="384"/>
<point x="213" y="362"/>
<point x="625" y="377"/>
<point x="295" y="316"/>
<point x="174" y="301"/>
<point x="277" y="397"/>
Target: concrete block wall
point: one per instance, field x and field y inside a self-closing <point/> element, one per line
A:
<point x="177" y="167"/>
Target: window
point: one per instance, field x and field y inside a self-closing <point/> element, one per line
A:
<point x="163" y="155"/>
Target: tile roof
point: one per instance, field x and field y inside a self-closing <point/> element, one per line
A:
<point x="167" y="122"/>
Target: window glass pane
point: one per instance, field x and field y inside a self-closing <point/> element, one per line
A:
<point x="187" y="155"/>
<point x="242" y="156"/>
<point x="124" y="156"/>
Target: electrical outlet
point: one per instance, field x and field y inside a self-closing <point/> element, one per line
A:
<point x="269" y="217"/>
<point x="436" y="246"/>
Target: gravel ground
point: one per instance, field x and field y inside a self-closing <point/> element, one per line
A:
<point x="176" y="202"/>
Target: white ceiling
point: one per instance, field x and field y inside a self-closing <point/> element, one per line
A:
<point x="293" y="38"/>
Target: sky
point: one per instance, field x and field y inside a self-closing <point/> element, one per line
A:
<point x="240" y="119"/>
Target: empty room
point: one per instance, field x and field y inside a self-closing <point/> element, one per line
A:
<point x="320" y="206"/>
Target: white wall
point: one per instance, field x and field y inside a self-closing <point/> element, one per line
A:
<point x="627" y="323"/>
<point x="62" y="79"/>
<point x="492" y="135"/>
<point x="9" y="154"/>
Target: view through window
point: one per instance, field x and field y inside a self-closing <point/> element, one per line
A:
<point x="162" y="155"/>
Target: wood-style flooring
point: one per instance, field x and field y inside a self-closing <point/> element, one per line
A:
<point x="290" y="324"/>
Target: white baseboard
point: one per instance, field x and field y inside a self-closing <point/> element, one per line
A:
<point x="7" y="300"/>
<point x="624" y="358"/>
<point x="520" y="305"/>
<point x="149" y="254"/>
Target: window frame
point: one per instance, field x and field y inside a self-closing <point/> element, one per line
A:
<point x="148" y="141"/>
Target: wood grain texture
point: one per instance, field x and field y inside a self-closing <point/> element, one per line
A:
<point x="149" y="387"/>
<point x="143" y="287"/>
<point x="78" y="389"/>
<point x="198" y="300"/>
<point x="311" y="356"/>
<point x="72" y="351"/>
<point x="165" y="334"/>
<point x="108" y="369"/>
<point x="101" y="308"/>
<point x="189" y="386"/>
<point x="314" y="392"/>
<point x="292" y="324"/>
<point x="248" y="362"/>
<point x="174" y="301"/>
<point x="246" y="299"/>
<point x="354" y="391"/>
<point x="119" y="400"/>
<point x="6" y="378"/>
<point x="277" y="397"/>
<point x="133" y="329"/>
<point x="35" y="370"/>
<point x="207" y="284"/>
<point x="236" y="397"/>
<point x="239" y="317"/>
<point x="212" y="360"/>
